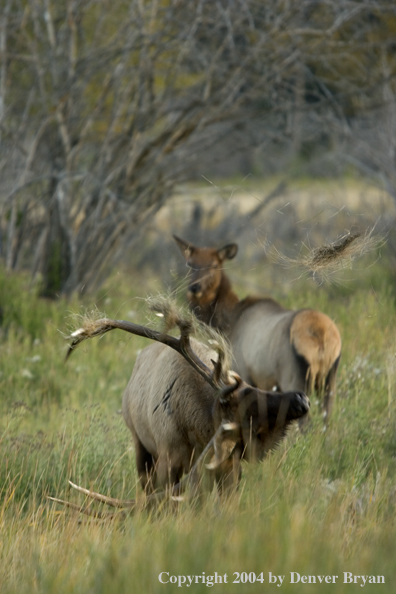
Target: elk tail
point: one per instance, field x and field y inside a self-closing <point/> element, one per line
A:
<point x="316" y="338"/>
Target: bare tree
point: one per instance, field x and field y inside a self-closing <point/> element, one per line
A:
<point x="105" y="106"/>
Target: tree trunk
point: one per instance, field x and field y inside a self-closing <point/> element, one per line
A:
<point x="56" y="258"/>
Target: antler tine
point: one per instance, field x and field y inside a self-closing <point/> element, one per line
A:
<point x="87" y="511"/>
<point x="164" y="308"/>
<point x="211" y="376"/>
<point x="120" y="503"/>
<point x="228" y="389"/>
<point x="218" y="368"/>
<point x="81" y="334"/>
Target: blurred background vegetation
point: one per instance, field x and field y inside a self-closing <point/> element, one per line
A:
<point x="107" y="110"/>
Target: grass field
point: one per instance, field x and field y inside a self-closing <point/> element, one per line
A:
<point x="321" y="505"/>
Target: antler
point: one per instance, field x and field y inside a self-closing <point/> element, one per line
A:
<point x="182" y="345"/>
<point x="121" y="504"/>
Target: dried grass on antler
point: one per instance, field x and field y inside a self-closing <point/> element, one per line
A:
<point x="172" y="313"/>
<point x="95" y="323"/>
<point x="328" y="259"/>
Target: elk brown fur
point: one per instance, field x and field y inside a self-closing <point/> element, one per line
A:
<point x="272" y="346"/>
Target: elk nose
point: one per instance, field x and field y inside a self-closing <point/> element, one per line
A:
<point x="194" y="288"/>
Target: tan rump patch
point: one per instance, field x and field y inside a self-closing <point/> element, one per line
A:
<point x="316" y="338"/>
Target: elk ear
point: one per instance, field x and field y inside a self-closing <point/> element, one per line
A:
<point x="228" y="252"/>
<point x="185" y="248"/>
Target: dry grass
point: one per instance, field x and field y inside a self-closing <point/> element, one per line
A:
<point x="324" y="261"/>
<point x="94" y="323"/>
<point x="86" y="321"/>
<point x="174" y="315"/>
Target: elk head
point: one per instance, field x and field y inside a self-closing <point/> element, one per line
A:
<point x="206" y="270"/>
<point x="260" y="418"/>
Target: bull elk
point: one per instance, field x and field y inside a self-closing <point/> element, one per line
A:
<point x="182" y="407"/>
<point x="272" y="346"/>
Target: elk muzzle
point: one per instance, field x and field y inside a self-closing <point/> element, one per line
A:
<point x="194" y="291"/>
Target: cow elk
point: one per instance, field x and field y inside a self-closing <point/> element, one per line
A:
<point x="183" y="408"/>
<point x="272" y="346"/>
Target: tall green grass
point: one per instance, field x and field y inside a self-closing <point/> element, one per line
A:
<point x="322" y="504"/>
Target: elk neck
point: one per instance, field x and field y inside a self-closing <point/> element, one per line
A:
<point x="219" y="312"/>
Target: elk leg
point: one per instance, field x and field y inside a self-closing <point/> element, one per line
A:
<point x="168" y="471"/>
<point x="145" y="465"/>
<point x="296" y="378"/>
<point x="330" y="391"/>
